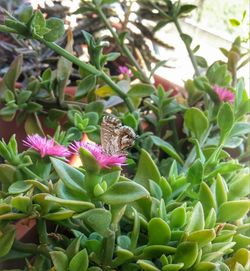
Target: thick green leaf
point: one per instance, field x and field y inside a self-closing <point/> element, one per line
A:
<point x="206" y="198"/>
<point x="205" y="266"/>
<point x="89" y="161"/>
<point x="147" y="265"/>
<point x="12" y="216"/>
<point x="196" y="121"/>
<point x="196" y="221"/>
<point x="141" y="90"/>
<point x="85" y="86"/>
<point x="56" y="29"/>
<point x="195" y="173"/>
<point x="24" y="15"/>
<point x="154" y="251"/>
<point x="240" y="187"/>
<point x="123" y="193"/>
<point x="187" y="39"/>
<point x="224" y="168"/>
<point x="161" y="24"/>
<point x="19" y="187"/>
<point x="80" y="261"/>
<point x="75" y="205"/>
<point x="202" y="237"/>
<point x="60" y="260"/>
<point x="220" y="190"/>
<point x="13" y="73"/>
<point x="97" y="219"/>
<point x="71" y="177"/>
<point x="240" y="128"/>
<point x="201" y="61"/>
<point x="136" y="230"/>
<point x="7" y="175"/>
<point x="187" y="253"/>
<point x="178" y="217"/>
<point x="60" y="215"/>
<point x="186" y="8"/>
<point x="218" y="74"/>
<point x="39" y="23"/>
<point x="242" y="241"/>
<point x="225" y="119"/>
<point x="159" y="232"/>
<point x="172" y="267"/>
<point x="210" y="219"/>
<point x="73" y="248"/>
<point x="166" y="147"/>
<point x="7" y="238"/>
<point x="233" y="210"/>
<point x="16" y="25"/>
<point x="21" y="203"/>
<point x="146" y="170"/>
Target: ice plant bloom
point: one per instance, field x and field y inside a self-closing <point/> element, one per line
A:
<point x="224" y="94"/>
<point x="103" y="159"/>
<point x="125" y="71"/>
<point x="46" y="146"/>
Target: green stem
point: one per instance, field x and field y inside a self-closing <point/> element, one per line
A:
<point x="190" y="52"/>
<point x="117" y="89"/>
<point x="176" y="142"/>
<point x="108" y="249"/>
<point x="30" y="248"/>
<point x="6" y="29"/>
<point x="123" y="48"/>
<point x="42" y="231"/>
<point x="87" y="67"/>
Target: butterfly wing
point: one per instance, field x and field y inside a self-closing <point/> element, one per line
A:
<point x="110" y="134"/>
<point x="115" y="138"/>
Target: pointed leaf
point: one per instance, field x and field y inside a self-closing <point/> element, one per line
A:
<point x="80" y="261"/>
<point x="7" y="238"/>
<point x="71" y="177"/>
<point x="196" y="121"/>
<point x="166" y="147"/>
<point x="123" y="193"/>
<point x="146" y="169"/>
<point x="59" y="260"/>
<point x="233" y="210"/>
<point x="196" y="221"/>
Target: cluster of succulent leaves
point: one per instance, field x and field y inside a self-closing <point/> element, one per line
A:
<point x="181" y="217"/>
<point x="31" y="23"/>
<point x="181" y="205"/>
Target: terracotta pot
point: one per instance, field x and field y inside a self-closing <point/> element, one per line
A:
<point x="26" y="230"/>
<point x="167" y="85"/>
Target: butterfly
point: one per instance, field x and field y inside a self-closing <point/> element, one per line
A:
<point x="115" y="138"/>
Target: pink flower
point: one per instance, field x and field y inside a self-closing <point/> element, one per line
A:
<point x="224" y="94"/>
<point x="46" y="146"/>
<point x="103" y="159"/>
<point x="125" y="71"/>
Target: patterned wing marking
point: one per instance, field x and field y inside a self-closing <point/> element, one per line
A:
<point x="115" y="138"/>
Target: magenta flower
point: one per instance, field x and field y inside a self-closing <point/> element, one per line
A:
<point x="103" y="159"/>
<point x="125" y="71"/>
<point x="224" y="94"/>
<point x="46" y="146"/>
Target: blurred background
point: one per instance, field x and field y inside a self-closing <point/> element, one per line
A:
<point x="213" y="25"/>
